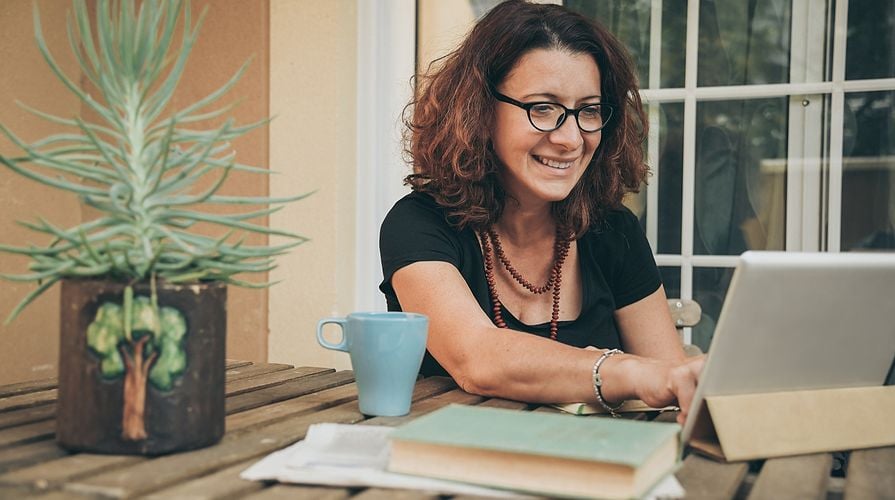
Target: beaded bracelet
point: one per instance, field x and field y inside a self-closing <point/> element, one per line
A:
<point x="598" y="382"/>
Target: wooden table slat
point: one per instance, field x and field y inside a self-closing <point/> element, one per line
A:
<point x="871" y="474"/>
<point x="164" y="471"/>
<point x="67" y="468"/>
<point x="393" y="494"/>
<point x="429" y="405"/>
<point x="30" y="454"/>
<point x="703" y="478"/>
<point x="291" y="492"/>
<point x="272" y="378"/>
<point x="236" y="363"/>
<point x="27" y="400"/>
<point x="287" y="390"/>
<point x="243" y="372"/>
<point x="222" y="484"/>
<point x="52" y="474"/>
<point x="27" y="415"/>
<point x="804" y="476"/>
<point x="28" y="387"/>
<point x="27" y="433"/>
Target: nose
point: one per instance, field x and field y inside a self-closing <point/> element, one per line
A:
<point x="568" y="135"/>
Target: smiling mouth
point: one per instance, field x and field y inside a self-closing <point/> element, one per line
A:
<point x="558" y="165"/>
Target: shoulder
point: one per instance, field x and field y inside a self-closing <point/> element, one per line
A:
<point x="416" y="206"/>
<point x="617" y="222"/>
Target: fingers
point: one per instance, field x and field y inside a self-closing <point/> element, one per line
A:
<point x="683" y="380"/>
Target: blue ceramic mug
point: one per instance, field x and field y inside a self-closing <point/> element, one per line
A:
<point x="386" y="350"/>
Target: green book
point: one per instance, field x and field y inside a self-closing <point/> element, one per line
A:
<point x="552" y="454"/>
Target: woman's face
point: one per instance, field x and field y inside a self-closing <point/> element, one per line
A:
<point x="541" y="167"/>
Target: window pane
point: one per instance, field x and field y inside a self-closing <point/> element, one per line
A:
<point x="868" y="172"/>
<point x="709" y="289"/>
<point x="670" y="167"/>
<point x="870" y="46"/>
<point x="740" y="192"/>
<point x="743" y="43"/>
<point x="671" y="280"/>
<point x="674" y="42"/>
<point x="629" y="20"/>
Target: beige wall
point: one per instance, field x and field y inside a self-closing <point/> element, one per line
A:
<point x="312" y="142"/>
<point x="30" y="345"/>
<point x="234" y="30"/>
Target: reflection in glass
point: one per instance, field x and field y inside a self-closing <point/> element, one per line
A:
<point x="870" y="46"/>
<point x="868" y="172"/>
<point x="629" y="20"/>
<point x="740" y="192"/>
<point x="670" y="167"/>
<point x="742" y="43"/>
<point x="709" y="290"/>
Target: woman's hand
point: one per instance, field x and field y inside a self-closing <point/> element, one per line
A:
<point x="661" y="383"/>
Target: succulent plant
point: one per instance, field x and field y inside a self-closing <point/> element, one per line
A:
<point x="144" y="166"/>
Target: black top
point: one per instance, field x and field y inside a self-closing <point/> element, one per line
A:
<point x="617" y="268"/>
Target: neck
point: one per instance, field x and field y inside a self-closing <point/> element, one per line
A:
<point x="521" y="224"/>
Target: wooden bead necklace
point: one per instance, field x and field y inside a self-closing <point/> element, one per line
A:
<point x="560" y="251"/>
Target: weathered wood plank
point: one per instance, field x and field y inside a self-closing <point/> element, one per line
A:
<point x="243" y="372"/>
<point x="291" y="492"/>
<point x="508" y="404"/>
<point x="57" y="472"/>
<point x="30" y="454"/>
<point x="288" y="390"/>
<point x="392" y="494"/>
<point x="429" y="405"/>
<point x="706" y="479"/>
<point x="27" y="415"/>
<point x="28" y="387"/>
<point x="153" y="475"/>
<point x="236" y="363"/>
<point x="804" y="476"/>
<point x="224" y="483"/>
<point x="27" y="400"/>
<point x="52" y="474"/>
<point x="285" y="409"/>
<point x="271" y="379"/>
<point x="871" y="474"/>
<point x="667" y="416"/>
<point x="27" y="433"/>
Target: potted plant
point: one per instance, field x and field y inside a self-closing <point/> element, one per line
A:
<point x="143" y="316"/>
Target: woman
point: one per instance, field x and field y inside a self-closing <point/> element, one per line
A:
<point x="515" y="242"/>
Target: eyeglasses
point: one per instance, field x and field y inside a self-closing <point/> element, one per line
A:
<point x="548" y="116"/>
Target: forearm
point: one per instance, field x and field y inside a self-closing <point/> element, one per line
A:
<point x="524" y="367"/>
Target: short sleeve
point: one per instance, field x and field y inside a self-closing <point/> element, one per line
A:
<point x="415" y="230"/>
<point x="636" y="275"/>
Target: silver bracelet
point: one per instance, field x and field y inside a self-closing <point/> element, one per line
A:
<point x="598" y="381"/>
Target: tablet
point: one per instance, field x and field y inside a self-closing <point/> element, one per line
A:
<point x="794" y="321"/>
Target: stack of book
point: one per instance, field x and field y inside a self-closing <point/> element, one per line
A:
<point x="541" y="453"/>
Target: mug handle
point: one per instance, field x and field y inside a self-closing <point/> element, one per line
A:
<point x="341" y="346"/>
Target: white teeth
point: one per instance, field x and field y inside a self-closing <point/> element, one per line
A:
<point x="554" y="164"/>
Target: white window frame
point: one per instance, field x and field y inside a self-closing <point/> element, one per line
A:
<point x="386" y="59"/>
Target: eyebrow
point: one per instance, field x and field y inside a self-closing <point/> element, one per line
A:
<point x="556" y="98"/>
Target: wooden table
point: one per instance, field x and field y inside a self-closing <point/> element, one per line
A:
<point x="270" y="406"/>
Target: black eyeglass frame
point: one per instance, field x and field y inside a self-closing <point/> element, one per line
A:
<point x="566" y="112"/>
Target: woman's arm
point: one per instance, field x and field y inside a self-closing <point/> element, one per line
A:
<point x="646" y="328"/>
<point x="490" y="361"/>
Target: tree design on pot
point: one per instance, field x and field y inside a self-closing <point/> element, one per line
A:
<point x="144" y="347"/>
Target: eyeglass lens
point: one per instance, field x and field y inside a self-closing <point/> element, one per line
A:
<point x="547" y="117"/>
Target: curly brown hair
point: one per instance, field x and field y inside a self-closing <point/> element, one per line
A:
<point x="448" y="135"/>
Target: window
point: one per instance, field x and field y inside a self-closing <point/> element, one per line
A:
<point x="772" y="128"/>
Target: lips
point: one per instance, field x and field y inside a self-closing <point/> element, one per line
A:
<point x="558" y="165"/>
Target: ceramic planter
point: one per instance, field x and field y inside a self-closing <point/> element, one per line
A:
<point x="154" y="388"/>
